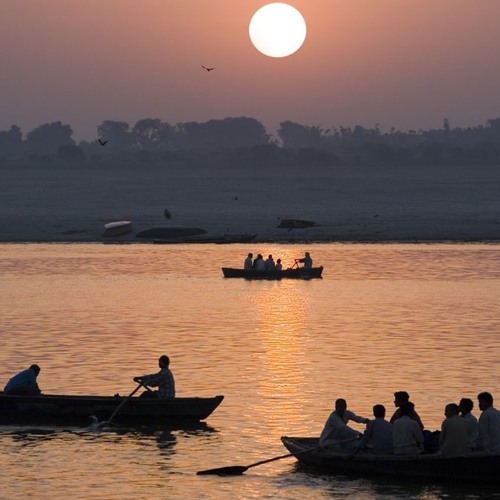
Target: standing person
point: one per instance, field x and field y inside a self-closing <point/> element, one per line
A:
<point x="378" y="434"/>
<point x="489" y="424"/>
<point x="407" y="435"/>
<point x="401" y="398"/>
<point x="164" y="380"/>
<point x="453" y="436"/>
<point x="336" y="428"/>
<point x="306" y="260"/>
<point x="24" y="383"/>
<point x="465" y="406"/>
<point x="248" y="262"/>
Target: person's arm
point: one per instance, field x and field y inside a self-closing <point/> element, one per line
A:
<point x="356" y="418"/>
<point x="151" y="380"/>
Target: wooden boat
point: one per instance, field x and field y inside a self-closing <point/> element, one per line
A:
<point x="252" y="274"/>
<point x="474" y="466"/>
<point x="117" y="228"/>
<point x="76" y="410"/>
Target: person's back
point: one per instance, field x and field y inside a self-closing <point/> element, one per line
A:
<point x="259" y="263"/>
<point x="406" y="434"/>
<point x="453" y="436"/>
<point x="465" y="406"/>
<point x="269" y="264"/>
<point x="24" y="383"/>
<point x="378" y="435"/>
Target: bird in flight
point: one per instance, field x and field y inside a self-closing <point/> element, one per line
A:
<point x="102" y="143"/>
<point x="208" y="69"/>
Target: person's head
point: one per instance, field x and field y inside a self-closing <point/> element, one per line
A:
<point x="379" y="411"/>
<point x="400" y="398"/>
<point x="260" y="256"/>
<point x="451" y="410"/>
<point x="465" y="406"/>
<point x="485" y="400"/>
<point x="164" y="361"/>
<point x="36" y="369"/>
<point x="307" y="254"/>
<point x="250" y="255"/>
<point x="340" y="406"/>
<point x="407" y="408"/>
<point x="279" y="261"/>
<point x="270" y="257"/>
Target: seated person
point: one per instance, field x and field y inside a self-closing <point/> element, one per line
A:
<point x="407" y="435"/>
<point x="164" y="380"/>
<point x="401" y="398"/>
<point x="336" y="430"/>
<point x="453" y="437"/>
<point x="24" y="383"/>
<point x="377" y="437"/>
<point x="306" y="260"/>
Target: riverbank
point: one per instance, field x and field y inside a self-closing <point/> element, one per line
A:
<point x="72" y="203"/>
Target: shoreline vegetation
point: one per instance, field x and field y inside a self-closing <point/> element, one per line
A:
<point x="232" y="179"/>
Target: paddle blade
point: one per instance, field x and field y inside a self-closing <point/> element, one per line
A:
<point x="233" y="470"/>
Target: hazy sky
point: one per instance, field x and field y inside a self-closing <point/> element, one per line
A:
<point x="402" y="63"/>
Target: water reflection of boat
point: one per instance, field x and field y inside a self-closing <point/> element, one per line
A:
<point x="475" y="466"/>
<point x="76" y="410"/>
<point x="296" y="272"/>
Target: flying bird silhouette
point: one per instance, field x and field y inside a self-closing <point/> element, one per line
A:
<point x="208" y="69"/>
<point x="102" y="143"/>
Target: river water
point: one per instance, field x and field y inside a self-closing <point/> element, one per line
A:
<point x="420" y="318"/>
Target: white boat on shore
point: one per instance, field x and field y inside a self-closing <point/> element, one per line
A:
<point x="117" y="228"/>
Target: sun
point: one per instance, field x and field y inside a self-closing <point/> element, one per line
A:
<point x="277" y="30"/>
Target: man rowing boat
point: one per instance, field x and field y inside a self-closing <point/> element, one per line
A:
<point x="164" y="380"/>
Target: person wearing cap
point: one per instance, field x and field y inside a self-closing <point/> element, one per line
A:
<point x="24" y="383"/>
<point x="164" y="380"/>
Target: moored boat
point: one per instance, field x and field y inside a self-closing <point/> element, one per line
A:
<point x="76" y="410"/>
<point x="474" y="466"/>
<point x="117" y="228"/>
<point x="296" y="273"/>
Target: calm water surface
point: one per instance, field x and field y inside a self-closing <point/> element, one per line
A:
<point x="421" y="318"/>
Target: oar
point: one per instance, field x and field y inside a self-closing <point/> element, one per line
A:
<point x="236" y="470"/>
<point x="118" y="408"/>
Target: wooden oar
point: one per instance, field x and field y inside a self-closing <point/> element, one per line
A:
<point x="99" y="425"/>
<point x="236" y="470"/>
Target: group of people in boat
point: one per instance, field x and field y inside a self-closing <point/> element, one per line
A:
<point x="404" y="434"/>
<point x="261" y="264"/>
<point x="25" y="382"/>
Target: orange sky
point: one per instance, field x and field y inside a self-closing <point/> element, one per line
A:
<point x="402" y="63"/>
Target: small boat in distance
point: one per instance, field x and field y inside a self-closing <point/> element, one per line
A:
<point x="468" y="467"/>
<point x="117" y="228"/>
<point x="66" y="410"/>
<point x="294" y="272"/>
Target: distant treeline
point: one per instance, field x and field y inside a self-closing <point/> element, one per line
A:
<point x="244" y="141"/>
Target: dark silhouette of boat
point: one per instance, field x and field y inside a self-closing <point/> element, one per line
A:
<point x="473" y="466"/>
<point x="77" y="410"/>
<point x="252" y="274"/>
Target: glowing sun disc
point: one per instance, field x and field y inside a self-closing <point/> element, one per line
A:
<point x="277" y="30"/>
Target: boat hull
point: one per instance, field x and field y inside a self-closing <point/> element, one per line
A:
<point x="76" y="410"/>
<point x="472" y="467"/>
<point x="252" y="274"/>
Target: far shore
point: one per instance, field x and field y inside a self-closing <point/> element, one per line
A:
<point x="363" y="205"/>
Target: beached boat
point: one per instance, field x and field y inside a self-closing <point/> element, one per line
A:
<point x="475" y="466"/>
<point x="117" y="228"/>
<point x="252" y="274"/>
<point x="76" y="410"/>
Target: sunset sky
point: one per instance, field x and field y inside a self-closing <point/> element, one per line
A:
<point x="398" y="63"/>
